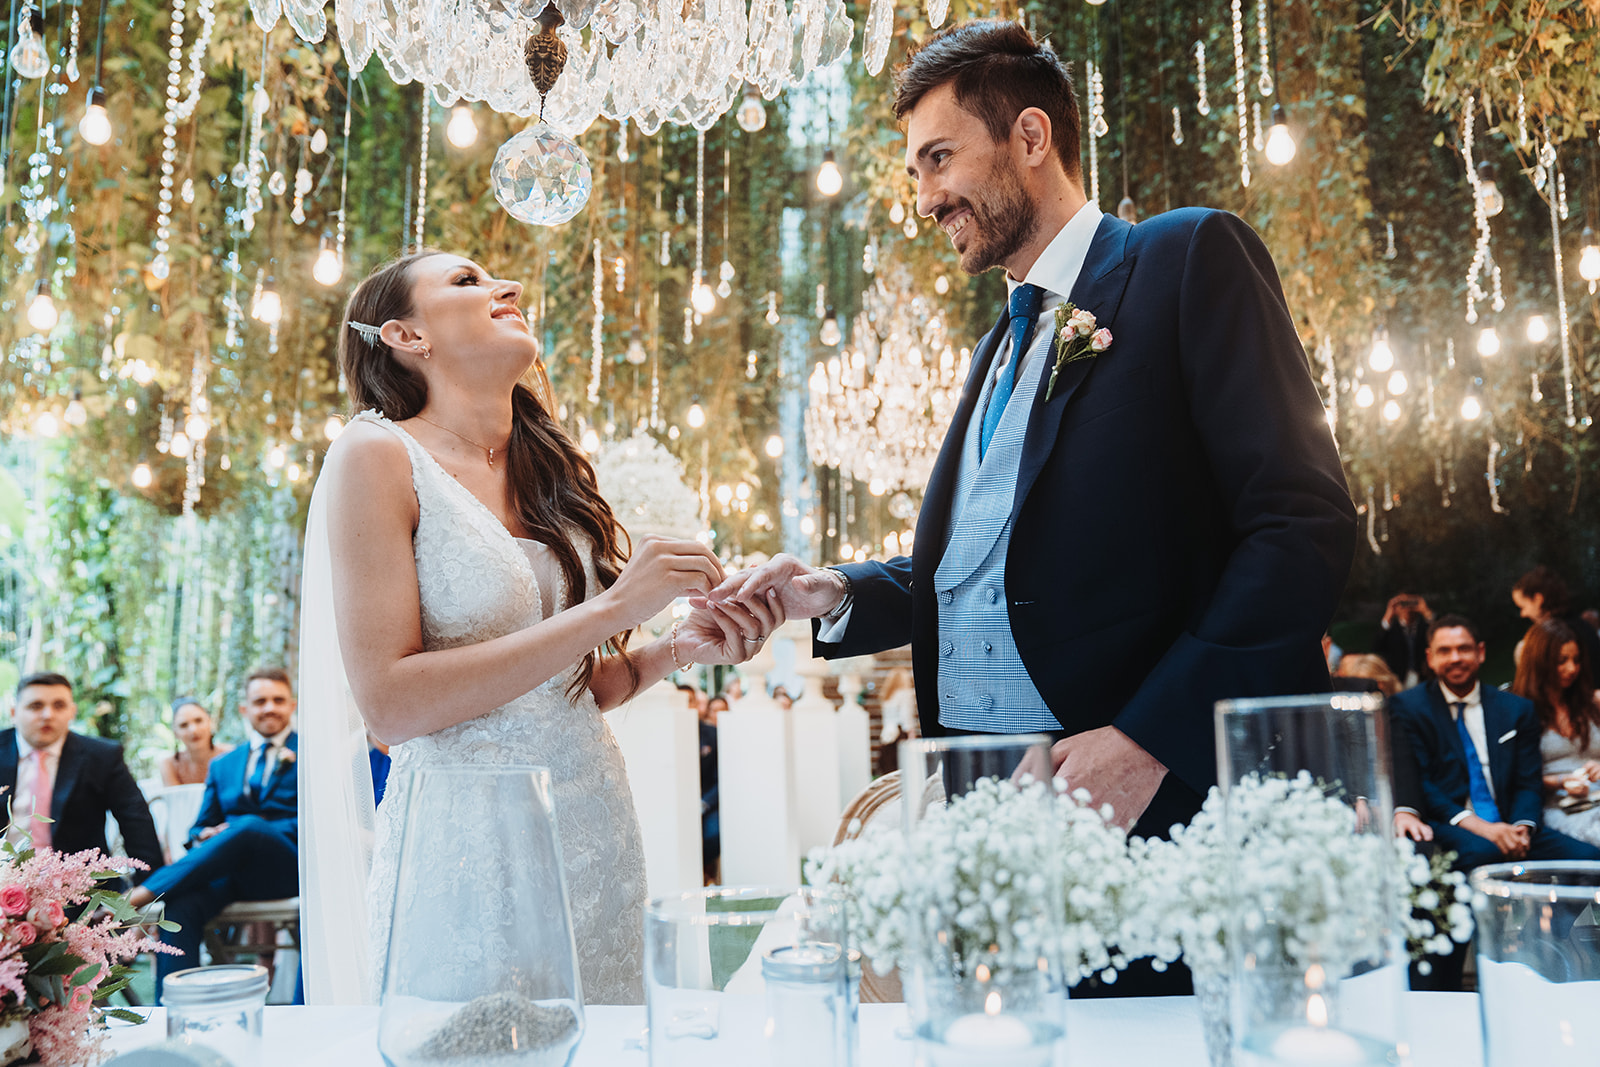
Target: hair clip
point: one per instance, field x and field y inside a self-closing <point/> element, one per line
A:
<point x="368" y="333"/>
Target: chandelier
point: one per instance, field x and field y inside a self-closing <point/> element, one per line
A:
<point x="878" y="411"/>
<point x="684" y="61"/>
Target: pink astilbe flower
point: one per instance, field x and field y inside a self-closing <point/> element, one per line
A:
<point x="11" y="974"/>
<point x="62" y="1036"/>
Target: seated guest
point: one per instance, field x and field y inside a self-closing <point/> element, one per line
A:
<point x="1369" y="666"/>
<point x="61" y="785"/>
<point x="378" y="760"/>
<point x="245" y="842"/>
<point x="1477" y="754"/>
<point x="710" y="816"/>
<point x="1553" y="674"/>
<point x="781" y="697"/>
<point x="196" y="744"/>
<point x="1542" y="594"/>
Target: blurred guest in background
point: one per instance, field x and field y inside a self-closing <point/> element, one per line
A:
<point x="197" y="745"/>
<point x="1553" y="674"/>
<point x="1371" y="667"/>
<point x="1402" y="638"/>
<point x="1542" y="594"/>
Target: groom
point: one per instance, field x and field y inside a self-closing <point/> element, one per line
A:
<point x="1108" y="546"/>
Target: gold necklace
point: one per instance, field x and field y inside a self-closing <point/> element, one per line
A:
<point x="464" y="437"/>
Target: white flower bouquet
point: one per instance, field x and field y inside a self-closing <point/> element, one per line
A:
<point x="1015" y="873"/>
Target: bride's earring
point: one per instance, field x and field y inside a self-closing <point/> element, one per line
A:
<point x="425" y="350"/>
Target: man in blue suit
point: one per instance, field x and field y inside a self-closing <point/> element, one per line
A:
<point x="1110" y="543"/>
<point x="245" y="842"/>
<point x="1476" y="750"/>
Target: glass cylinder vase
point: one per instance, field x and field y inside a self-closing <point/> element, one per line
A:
<point x="481" y="962"/>
<point x="1538" y="962"/>
<point x="986" y="979"/>
<point x="1315" y="934"/>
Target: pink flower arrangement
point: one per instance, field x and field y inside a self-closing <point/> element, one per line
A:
<point x="52" y="971"/>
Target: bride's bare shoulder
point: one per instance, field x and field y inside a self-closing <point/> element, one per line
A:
<point x="368" y="455"/>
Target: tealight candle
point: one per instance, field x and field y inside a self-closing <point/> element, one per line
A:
<point x="1317" y="1046"/>
<point x="991" y="1038"/>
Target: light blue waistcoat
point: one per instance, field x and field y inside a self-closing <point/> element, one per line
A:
<point x="983" y="685"/>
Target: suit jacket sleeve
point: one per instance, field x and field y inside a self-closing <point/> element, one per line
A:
<point x="211" y="813"/>
<point x="1411" y="711"/>
<point x="1527" y="769"/>
<point x="881" y="615"/>
<point x="1407" y="784"/>
<point x="1265" y="435"/>
<point x="128" y="806"/>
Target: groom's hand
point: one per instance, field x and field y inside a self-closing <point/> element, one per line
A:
<point x="1113" y="768"/>
<point x="804" y="592"/>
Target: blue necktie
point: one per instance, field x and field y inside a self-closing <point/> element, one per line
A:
<point x="1483" y="805"/>
<point x="1025" y="301"/>
<point x="258" y="779"/>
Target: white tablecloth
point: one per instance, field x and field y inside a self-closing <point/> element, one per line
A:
<point x="1161" y="1031"/>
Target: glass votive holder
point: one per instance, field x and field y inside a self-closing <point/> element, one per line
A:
<point x="1538" y="962"/>
<point x="732" y="971"/>
<point x="219" y="1008"/>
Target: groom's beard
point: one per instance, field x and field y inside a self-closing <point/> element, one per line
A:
<point x="1002" y="222"/>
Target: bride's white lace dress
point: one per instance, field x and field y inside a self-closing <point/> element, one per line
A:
<point x="477" y="583"/>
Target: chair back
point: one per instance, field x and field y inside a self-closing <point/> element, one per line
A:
<point x="174" y="809"/>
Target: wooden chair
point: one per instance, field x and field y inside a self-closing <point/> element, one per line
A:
<point x="880" y="801"/>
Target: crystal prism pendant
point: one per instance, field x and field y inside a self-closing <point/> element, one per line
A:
<point x="541" y="177"/>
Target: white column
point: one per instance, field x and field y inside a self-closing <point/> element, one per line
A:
<point x="819" y="795"/>
<point x="660" y="742"/>
<point x="756" y="776"/>
<point x="855" y="737"/>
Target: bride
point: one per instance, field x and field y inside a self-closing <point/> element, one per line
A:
<point x="468" y="599"/>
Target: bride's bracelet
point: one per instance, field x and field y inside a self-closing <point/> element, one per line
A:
<point x="673" y="646"/>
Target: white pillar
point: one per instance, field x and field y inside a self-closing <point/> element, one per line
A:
<point x="755" y="773"/>
<point x="819" y="794"/>
<point x="855" y="736"/>
<point x="660" y="740"/>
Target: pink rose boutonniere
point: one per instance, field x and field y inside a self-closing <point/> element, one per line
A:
<point x="1077" y="337"/>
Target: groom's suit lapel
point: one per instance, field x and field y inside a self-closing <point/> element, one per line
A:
<point x="1098" y="290"/>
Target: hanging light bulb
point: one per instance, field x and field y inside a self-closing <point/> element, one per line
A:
<point x="703" y="298"/>
<point x="196" y="426"/>
<point x="590" y="441"/>
<point x="1489" y="190"/>
<point x="462" y="129"/>
<point x="1391" y="410"/>
<point x="1280" y="142"/>
<point x="1589" y="259"/>
<point x="752" y="113"/>
<point x="1398" y="383"/>
<point x="830" y="334"/>
<point x="1382" y="357"/>
<point x="1538" y="329"/>
<point x="95" y="126"/>
<point x="1364" y="397"/>
<point x="1488" y="342"/>
<point x="28" y="56"/>
<point x="179" y="445"/>
<point x="696" y="416"/>
<point x="76" y="414"/>
<point x="829" y="180"/>
<point x="775" y="446"/>
<point x="636" y="353"/>
<point x="328" y="269"/>
<point x="268" y="306"/>
<point x="142" y="477"/>
<point x="42" y="314"/>
<point x="47" y="425"/>
<point x="276" y="457"/>
<point x="333" y="427"/>
<point x="1470" y="408"/>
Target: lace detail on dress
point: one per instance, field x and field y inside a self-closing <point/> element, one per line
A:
<point x="477" y="583"/>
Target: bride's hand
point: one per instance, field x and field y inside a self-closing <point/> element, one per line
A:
<point x="729" y="633"/>
<point x="662" y="570"/>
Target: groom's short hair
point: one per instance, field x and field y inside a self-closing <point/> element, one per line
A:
<point x="998" y="70"/>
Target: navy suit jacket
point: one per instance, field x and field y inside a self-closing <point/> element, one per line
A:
<point x="1181" y="529"/>
<point x="1511" y="727"/>
<point x="225" y="797"/>
<point x="92" y="780"/>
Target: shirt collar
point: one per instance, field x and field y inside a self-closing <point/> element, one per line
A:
<point x="24" y="750"/>
<point x="1058" y="266"/>
<point x="1471" y="700"/>
<point x="277" y="739"/>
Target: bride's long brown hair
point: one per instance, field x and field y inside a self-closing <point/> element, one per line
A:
<point x="551" y="481"/>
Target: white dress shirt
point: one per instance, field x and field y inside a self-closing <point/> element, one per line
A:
<point x="273" y="748"/>
<point x="29" y="785"/>
<point x="1056" y="272"/>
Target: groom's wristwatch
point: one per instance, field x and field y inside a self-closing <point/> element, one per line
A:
<point x="849" y="596"/>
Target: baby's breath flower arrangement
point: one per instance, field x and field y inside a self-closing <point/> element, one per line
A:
<point x="1016" y="873"/>
<point x="1439" y="904"/>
